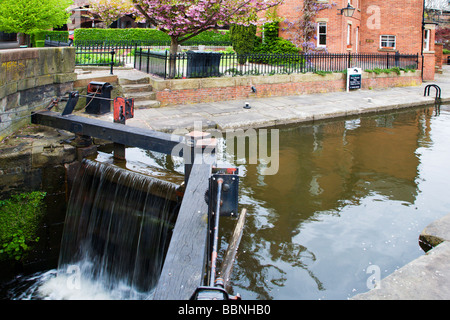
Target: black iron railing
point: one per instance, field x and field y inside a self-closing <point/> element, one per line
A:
<point x="151" y="62"/>
<point x="95" y="52"/>
<point x="196" y="64"/>
<point x="98" y="55"/>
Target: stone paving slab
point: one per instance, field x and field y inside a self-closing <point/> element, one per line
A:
<point x="436" y="232"/>
<point x="425" y="278"/>
<point x="291" y="109"/>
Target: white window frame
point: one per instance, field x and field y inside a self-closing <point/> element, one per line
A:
<point x="319" y="24"/>
<point x="388" y="39"/>
<point x="349" y="34"/>
<point x="426" y="39"/>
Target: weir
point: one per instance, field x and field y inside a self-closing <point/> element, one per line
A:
<point x="192" y="250"/>
<point x="118" y="227"/>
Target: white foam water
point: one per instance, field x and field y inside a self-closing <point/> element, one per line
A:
<point x="117" y="230"/>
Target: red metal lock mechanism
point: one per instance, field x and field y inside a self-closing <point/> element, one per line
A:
<point x="123" y="109"/>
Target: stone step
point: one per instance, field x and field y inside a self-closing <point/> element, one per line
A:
<point x="136" y="80"/>
<point x="141" y="96"/>
<point x="146" y="104"/>
<point x="137" y="88"/>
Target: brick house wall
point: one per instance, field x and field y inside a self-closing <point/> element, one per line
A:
<point x="377" y="26"/>
<point x="401" y="19"/>
<point x="371" y="20"/>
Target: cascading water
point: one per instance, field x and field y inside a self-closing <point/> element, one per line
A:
<point x="117" y="231"/>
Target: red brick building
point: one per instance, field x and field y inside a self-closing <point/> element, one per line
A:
<point x="376" y="26"/>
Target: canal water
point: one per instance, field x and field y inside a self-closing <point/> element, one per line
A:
<point x="347" y="205"/>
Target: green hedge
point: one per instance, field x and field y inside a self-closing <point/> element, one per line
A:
<point x="40" y="35"/>
<point x="94" y="34"/>
<point x="273" y="43"/>
<point x="137" y="34"/>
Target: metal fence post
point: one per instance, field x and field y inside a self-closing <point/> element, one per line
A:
<point x="165" y="66"/>
<point x="135" y="50"/>
<point x="148" y="60"/>
<point x="112" y="60"/>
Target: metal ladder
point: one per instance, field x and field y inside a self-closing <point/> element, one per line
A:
<point x="438" y="91"/>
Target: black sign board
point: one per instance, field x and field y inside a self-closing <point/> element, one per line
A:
<point x="354" y="78"/>
<point x="354" y="81"/>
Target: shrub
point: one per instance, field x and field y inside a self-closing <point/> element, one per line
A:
<point x="19" y="221"/>
<point x="41" y="35"/>
<point x="139" y="34"/>
<point x="270" y="31"/>
<point x="279" y="51"/>
<point x="96" y="59"/>
<point x="396" y="70"/>
<point x="242" y="38"/>
<point x="132" y="34"/>
<point x="40" y="43"/>
<point x="322" y="73"/>
<point x="272" y="43"/>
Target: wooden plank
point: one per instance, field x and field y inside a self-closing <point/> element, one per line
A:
<point x="185" y="260"/>
<point x="130" y="136"/>
<point x="230" y="255"/>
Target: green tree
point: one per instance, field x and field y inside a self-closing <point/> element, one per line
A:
<point x="243" y="39"/>
<point x="26" y="16"/>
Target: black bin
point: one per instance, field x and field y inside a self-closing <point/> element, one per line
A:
<point x="448" y="60"/>
<point x="202" y="64"/>
<point x="101" y="90"/>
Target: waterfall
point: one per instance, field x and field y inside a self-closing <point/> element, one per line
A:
<point x="117" y="230"/>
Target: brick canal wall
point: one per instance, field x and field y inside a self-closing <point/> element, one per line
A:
<point x="186" y="91"/>
<point x="30" y="77"/>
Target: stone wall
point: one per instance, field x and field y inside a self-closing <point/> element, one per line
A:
<point x="30" y="78"/>
<point x="186" y="91"/>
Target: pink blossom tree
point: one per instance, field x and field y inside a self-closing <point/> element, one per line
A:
<point x="182" y="20"/>
<point x="110" y="10"/>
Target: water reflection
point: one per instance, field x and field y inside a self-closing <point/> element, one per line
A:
<point x="345" y="197"/>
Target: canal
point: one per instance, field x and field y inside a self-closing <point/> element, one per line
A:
<point x="350" y="198"/>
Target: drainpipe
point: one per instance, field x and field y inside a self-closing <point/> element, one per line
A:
<point x="423" y="31"/>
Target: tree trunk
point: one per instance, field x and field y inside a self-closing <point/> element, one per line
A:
<point x="24" y="39"/>
<point x="173" y="57"/>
